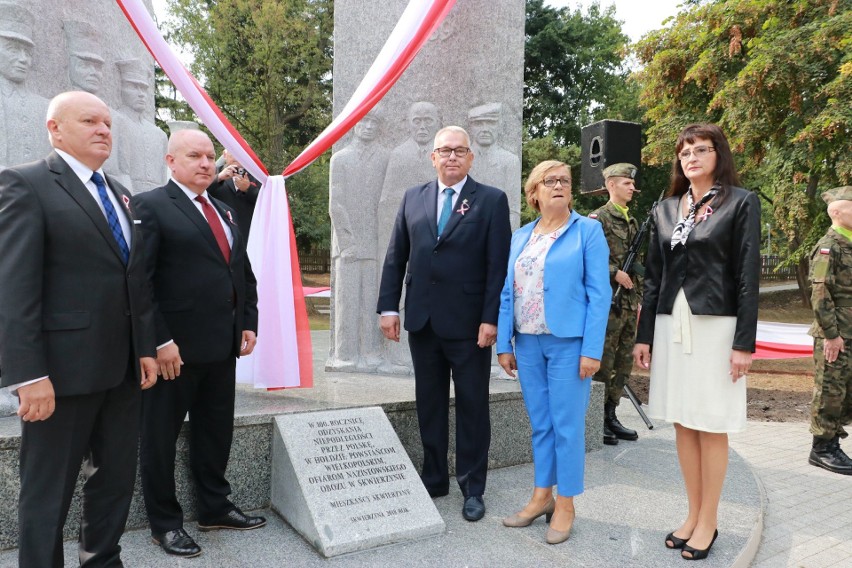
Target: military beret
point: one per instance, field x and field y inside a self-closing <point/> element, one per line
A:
<point x="620" y="170"/>
<point x="843" y="193"/>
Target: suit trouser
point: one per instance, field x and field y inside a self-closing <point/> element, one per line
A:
<point x="556" y="399"/>
<point x="434" y="360"/>
<point x="101" y="431"/>
<point x="207" y="393"/>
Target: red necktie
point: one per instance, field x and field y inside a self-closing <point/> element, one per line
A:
<point x="216" y="227"/>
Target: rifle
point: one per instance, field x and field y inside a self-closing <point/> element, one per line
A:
<point x="638" y="406"/>
<point x="633" y="252"/>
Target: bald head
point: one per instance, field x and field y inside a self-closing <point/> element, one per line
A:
<point x="840" y="212"/>
<point x="79" y="123"/>
<point x="191" y="159"/>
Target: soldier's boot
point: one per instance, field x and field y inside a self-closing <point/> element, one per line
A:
<point x="608" y="437"/>
<point x="835" y="443"/>
<point x="826" y="453"/>
<point x="612" y="424"/>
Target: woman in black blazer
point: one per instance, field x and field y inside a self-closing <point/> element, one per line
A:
<point x="700" y="314"/>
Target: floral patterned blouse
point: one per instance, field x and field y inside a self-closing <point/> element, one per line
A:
<point x="529" y="284"/>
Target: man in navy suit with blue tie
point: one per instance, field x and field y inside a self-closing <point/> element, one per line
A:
<point x="449" y="247"/>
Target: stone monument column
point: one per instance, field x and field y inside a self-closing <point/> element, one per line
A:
<point x="471" y="74"/>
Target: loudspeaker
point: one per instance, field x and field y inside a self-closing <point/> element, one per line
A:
<point x="605" y="143"/>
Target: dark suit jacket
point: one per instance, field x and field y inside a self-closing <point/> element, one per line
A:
<point x="69" y="308"/>
<point x="454" y="281"/>
<point x="241" y="202"/>
<point x="718" y="269"/>
<point x="200" y="302"/>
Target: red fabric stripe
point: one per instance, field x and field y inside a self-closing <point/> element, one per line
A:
<point x="768" y="350"/>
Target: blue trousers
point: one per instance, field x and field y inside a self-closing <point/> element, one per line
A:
<point x="556" y="399"/>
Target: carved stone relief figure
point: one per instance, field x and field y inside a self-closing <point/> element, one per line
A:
<point x="85" y="63"/>
<point x="140" y="145"/>
<point x="357" y="176"/>
<point x="22" y="112"/>
<point x="493" y="164"/>
<point x="410" y="164"/>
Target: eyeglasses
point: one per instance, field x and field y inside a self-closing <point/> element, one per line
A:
<point x="699" y="151"/>
<point x="445" y="152"/>
<point x="551" y="182"/>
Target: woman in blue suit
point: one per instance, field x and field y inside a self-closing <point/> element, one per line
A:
<point x="555" y="304"/>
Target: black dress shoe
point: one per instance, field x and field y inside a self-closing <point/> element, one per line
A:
<point x="233" y="519"/>
<point x="177" y="542"/>
<point x="474" y="508"/>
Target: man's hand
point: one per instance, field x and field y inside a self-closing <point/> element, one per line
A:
<point x="390" y="327"/>
<point x="588" y="367"/>
<point x="623" y="279"/>
<point x="242" y="182"/>
<point x="228" y="172"/>
<point x="832" y="348"/>
<point x="169" y="361"/>
<point x="487" y="335"/>
<point x="642" y="355"/>
<point x="740" y="364"/>
<point x="249" y="340"/>
<point x="508" y="362"/>
<point x="148" y="368"/>
<point x="38" y="401"/>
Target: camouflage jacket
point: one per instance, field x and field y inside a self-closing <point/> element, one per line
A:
<point x="831" y="281"/>
<point x="619" y="234"/>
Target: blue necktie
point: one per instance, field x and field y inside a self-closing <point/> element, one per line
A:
<point x="447" y="210"/>
<point x="112" y="217"/>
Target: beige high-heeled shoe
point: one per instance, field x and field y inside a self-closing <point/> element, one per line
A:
<point x="553" y="536"/>
<point x="518" y="520"/>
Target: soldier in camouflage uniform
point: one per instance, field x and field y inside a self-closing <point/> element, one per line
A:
<point x="831" y="278"/>
<point x="617" y="361"/>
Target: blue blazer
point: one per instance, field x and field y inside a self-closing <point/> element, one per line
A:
<point x="577" y="293"/>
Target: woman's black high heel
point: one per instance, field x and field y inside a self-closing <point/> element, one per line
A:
<point x="696" y="553"/>
<point x="678" y="542"/>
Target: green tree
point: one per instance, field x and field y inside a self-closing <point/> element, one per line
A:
<point x="777" y="76"/>
<point x="574" y="71"/>
<point x="267" y="64"/>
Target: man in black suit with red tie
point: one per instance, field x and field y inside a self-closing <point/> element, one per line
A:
<point x="76" y="334"/>
<point x="205" y="311"/>
<point x="449" y="247"/>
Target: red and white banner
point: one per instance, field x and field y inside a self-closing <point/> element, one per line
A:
<point x="783" y="341"/>
<point x="283" y="356"/>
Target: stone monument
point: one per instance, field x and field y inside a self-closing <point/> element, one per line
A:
<point x="470" y="73"/>
<point x="47" y="47"/>
<point x="134" y="134"/>
<point x="357" y="175"/>
<point x="343" y="480"/>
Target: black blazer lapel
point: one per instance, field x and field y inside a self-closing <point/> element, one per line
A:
<point x="68" y="180"/>
<point x="468" y="193"/>
<point x="430" y="202"/>
<point x="188" y="208"/>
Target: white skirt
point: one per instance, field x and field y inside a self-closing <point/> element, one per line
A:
<point x="690" y="372"/>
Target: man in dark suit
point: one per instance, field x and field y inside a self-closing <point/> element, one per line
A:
<point x="238" y="189"/>
<point x="76" y="334"/>
<point x="205" y="312"/>
<point x="453" y="237"/>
